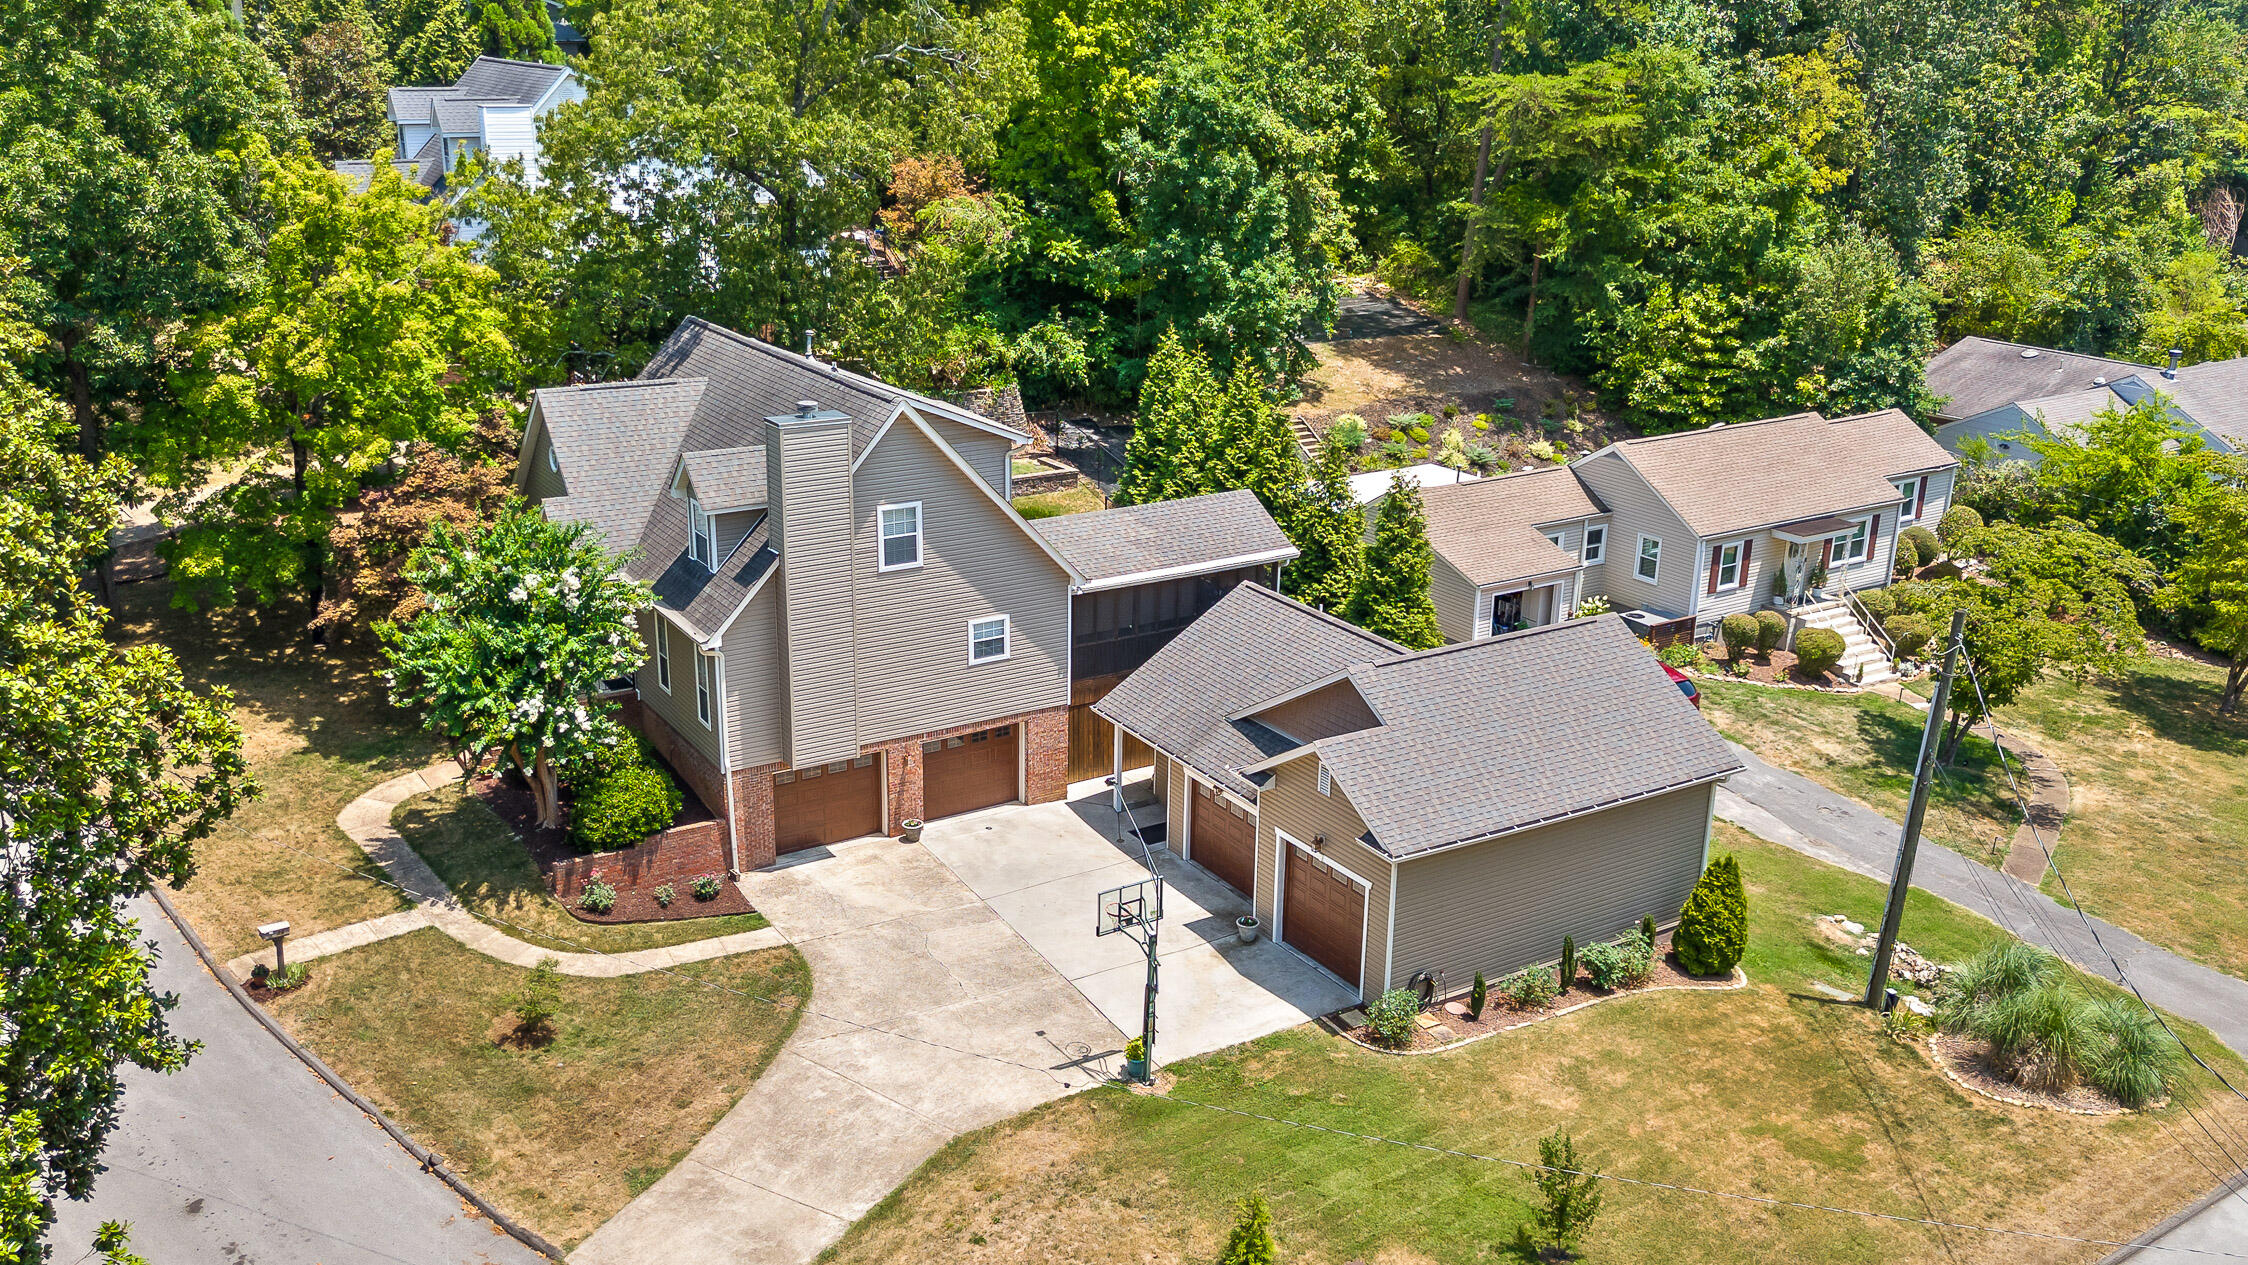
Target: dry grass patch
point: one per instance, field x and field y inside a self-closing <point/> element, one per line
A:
<point x="562" y="1135"/>
<point x="1772" y="1090"/>
<point x="484" y="864"/>
<point x="1086" y="496"/>
<point x="317" y="731"/>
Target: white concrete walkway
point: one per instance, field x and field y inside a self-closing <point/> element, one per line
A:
<point x="367" y="820"/>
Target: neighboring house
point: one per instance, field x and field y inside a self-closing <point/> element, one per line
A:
<point x="492" y="111"/>
<point x="1451" y="811"/>
<point x="1369" y="487"/>
<point x="1998" y="392"/>
<point x="1682" y="530"/>
<point x="853" y="627"/>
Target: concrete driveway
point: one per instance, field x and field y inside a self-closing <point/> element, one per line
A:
<point x="1041" y="868"/>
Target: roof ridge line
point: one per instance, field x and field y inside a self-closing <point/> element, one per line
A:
<point x="1336" y="620"/>
<point x="1704" y="430"/>
<point x="1519" y="634"/>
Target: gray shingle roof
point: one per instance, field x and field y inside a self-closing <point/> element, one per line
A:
<point x="1182" y="536"/>
<point x="503" y="79"/>
<point x="1488" y="530"/>
<point x="462" y="116"/>
<point x="1725" y="479"/>
<point x="1253" y="645"/>
<point x="727" y="478"/>
<point x="2215" y="392"/>
<point x="703" y="598"/>
<point x="1492" y="736"/>
<point x="1975" y="375"/>
<point x="616" y="442"/>
<point x="411" y="105"/>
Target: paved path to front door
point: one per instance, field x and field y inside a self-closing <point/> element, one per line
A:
<point x="929" y="1017"/>
<point x="1042" y="867"/>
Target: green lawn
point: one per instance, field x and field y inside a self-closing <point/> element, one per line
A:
<point x="2157" y="835"/>
<point x="317" y="731"/>
<point x="1773" y="1090"/>
<point x="479" y="858"/>
<point x="562" y="1136"/>
<point x="1077" y="500"/>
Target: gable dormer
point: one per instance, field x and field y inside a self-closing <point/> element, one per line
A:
<point x="1317" y="711"/>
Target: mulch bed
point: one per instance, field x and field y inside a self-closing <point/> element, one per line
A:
<point x="512" y="802"/>
<point x="1500" y="1015"/>
<point x="264" y="996"/>
<point x="1969" y="1062"/>
<point x="1775" y="668"/>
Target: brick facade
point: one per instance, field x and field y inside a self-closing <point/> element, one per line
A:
<point x="674" y="856"/>
<point x="1044" y="739"/>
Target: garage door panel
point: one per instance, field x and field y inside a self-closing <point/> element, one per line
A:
<point x="969" y="771"/>
<point x="1323" y="914"/>
<point x="827" y="804"/>
<point x="1223" y="839"/>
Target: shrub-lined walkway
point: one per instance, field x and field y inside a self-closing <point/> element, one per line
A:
<point x="367" y="820"/>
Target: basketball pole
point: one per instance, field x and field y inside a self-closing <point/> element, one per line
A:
<point x="1147" y="1014"/>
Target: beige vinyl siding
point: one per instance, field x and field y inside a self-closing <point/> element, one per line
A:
<point x="1293" y="803"/>
<point x="813" y="500"/>
<point x="543" y="482"/>
<point x="1635" y="508"/>
<point x="1456" y="602"/>
<point x="1564" y="588"/>
<point x="1176" y="804"/>
<point x="1323" y="713"/>
<point x="732" y="527"/>
<point x="912" y="625"/>
<point x="756" y="712"/>
<point x="677" y="707"/>
<point x="987" y="454"/>
<point x="1499" y="906"/>
<point x="1764" y="557"/>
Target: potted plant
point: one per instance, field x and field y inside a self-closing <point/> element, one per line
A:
<point x="910" y="829"/>
<point x="1245" y="928"/>
<point x="1135" y="1060"/>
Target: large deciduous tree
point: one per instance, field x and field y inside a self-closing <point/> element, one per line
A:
<point x="110" y="769"/>
<point x="367" y="330"/>
<point x="2211" y="583"/>
<point x="1392" y="596"/>
<point x="120" y="185"/>
<point x="520" y="624"/>
<point x="2128" y="473"/>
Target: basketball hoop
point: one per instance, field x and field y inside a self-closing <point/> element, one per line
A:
<point x="1136" y="909"/>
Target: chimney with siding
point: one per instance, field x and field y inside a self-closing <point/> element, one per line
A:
<point x="808" y="490"/>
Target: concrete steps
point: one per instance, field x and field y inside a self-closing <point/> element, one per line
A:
<point x="1863" y="659"/>
<point x="1305" y="439"/>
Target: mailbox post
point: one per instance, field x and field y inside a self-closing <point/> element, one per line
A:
<point x="277" y="932"/>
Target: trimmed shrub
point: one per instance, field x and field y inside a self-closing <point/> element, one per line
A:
<point x="1391" y="1017"/>
<point x="1739" y="633"/>
<point x="1713" y="927"/>
<point x="1958" y="521"/>
<point x="1924" y="541"/>
<point x="1477" y="997"/>
<point x="1771" y="630"/>
<point x="1529" y="988"/>
<point x="630" y="752"/>
<point x="623" y="807"/>
<point x="1879" y="603"/>
<point x="1348" y="432"/>
<point x="1911" y="634"/>
<point x="1565" y="974"/>
<point x="1619" y="963"/>
<point x="597" y="896"/>
<point x="1818" y="649"/>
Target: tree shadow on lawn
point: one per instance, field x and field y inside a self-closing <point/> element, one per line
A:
<point x="2179" y="703"/>
<point x="1972" y="781"/>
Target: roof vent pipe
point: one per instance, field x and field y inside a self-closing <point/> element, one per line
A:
<point x="2099" y="382"/>
<point x="805" y="408"/>
<point x="2176" y="354"/>
<point x="807" y="344"/>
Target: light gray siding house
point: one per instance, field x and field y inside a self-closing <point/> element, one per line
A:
<point x="492" y="111"/>
<point x="1393" y="815"/>
<point x="1682" y="530"/>
<point x="852" y="625"/>
<point x="1999" y="392"/>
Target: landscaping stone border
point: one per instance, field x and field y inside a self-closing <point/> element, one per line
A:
<point x="1738" y="982"/>
<point x="1943" y="1064"/>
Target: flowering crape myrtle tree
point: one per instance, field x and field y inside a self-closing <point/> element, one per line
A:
<point x="523" y="621"/>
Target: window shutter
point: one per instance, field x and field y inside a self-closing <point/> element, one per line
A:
<point x="1715" y="552"/>
<point x="1747" y="547"/>
<point x="1826" y="552"/>
<point x="1920" y="499"/>
<point x="1873" y="537"/>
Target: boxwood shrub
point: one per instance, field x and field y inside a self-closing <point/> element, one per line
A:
<point x="1818" y="649"/>
<point x="1926" y="548"/>
<point x="1957" y="522"/>
<point x="1771" y="630"/>
<point x="623" y="807"/>
<point x="1739" y="633"/>
<point x="1910" y="633"/>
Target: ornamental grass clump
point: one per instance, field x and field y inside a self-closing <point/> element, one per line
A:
<point x="1712" y="929"/>
<point x="2047" y="1036"/>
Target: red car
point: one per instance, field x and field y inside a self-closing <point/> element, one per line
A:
<point x="1685" y="684"/>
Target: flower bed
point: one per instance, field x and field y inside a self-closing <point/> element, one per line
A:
<point x="635" y="873"/>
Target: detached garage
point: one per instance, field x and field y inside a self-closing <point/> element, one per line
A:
<point x="1447" y="812"/>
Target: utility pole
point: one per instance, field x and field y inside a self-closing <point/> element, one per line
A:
<point x="1908" y="846"/>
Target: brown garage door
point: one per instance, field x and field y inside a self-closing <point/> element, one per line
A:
<point x="827" y="803"/>
<point x="971" y="771"/>
<point x="1224" y="839"/>
<point x="1323" y="913"/>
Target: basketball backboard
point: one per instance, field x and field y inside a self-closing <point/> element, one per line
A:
<point x="1131" y="906"/>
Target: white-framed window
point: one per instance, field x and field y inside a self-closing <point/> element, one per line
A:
<point x="663" y="655"/>
<point x="1850" y="546"/>
<point x="989" y="640"/>
<point x="1649" y="565"/>
<point x="901" y="536"/>
<point x="1909" y="489"/>
<point x="1558" y="537"/>
<point x="1596" y="543"/>
<point x="1729" y="565"/>
<point x="705" y="683"/>
<point x="702" y="542"/>
<point x="551" y="463"/>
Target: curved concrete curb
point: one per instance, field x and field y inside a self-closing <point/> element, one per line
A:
<point x="367" y="820"/>
<point x="428" y="1159"/>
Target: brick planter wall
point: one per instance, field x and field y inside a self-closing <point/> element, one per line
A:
<point x="673" y="856"/>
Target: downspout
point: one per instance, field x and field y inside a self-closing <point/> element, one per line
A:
<point x="1389" y="948"/>
<point x="726" y="763"/>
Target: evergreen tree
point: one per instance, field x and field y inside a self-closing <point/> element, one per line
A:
<point x="428" y="41"/>
<point x="1713" y="927"/>
<point x="1254" y="448"/>
<point x="1330" y="530"/>
<point x="1178" y="402"/>
<point x="520" y="29"/>
<point x="1251" y="1242"/>
<point x="1392" y="594"/>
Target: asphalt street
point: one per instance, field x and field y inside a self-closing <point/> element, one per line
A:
<point x="248" y="1158"/>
